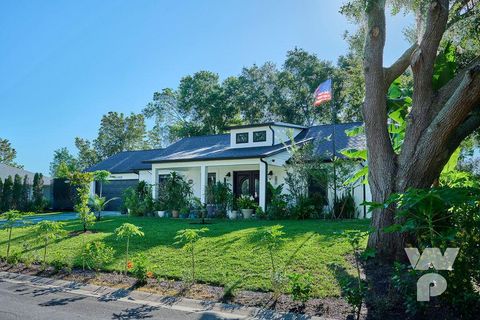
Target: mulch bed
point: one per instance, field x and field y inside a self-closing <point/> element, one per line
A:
<point x="335" y="308"/>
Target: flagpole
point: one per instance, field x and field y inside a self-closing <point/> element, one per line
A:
<point x="334" y="151"/>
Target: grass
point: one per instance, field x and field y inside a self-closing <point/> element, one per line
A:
<point x="229" y="252"/>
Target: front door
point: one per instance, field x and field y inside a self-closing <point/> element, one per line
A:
<point x="246" y="183"/>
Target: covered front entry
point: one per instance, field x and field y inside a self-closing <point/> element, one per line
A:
<point x="246" y="183"/>
<point x="245" y="176"/>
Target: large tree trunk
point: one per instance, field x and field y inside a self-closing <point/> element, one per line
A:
<point x="438" y="121"/>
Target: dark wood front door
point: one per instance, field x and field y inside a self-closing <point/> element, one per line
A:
<point x="246" y="183"/>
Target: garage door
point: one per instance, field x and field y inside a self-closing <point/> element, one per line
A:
<point x="115" y="189"/>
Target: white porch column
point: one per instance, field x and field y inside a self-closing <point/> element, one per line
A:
<point x="262" y="197"/>
<point x="153" y="181"/>
<point x="203" y="183"/>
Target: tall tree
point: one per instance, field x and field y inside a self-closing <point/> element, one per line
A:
<point x="37" y="192"/>
<point x="256" y="94"/>
<point x="1" y="195"/>
<point x="87" y="155"/>
<point x="443" y="113"/>
<point x="17" y="192"/>
<point x="25" y="197"/>
<point x="302" y="73"/>
<point x="7" y="196"/>
<point x="60" y="156"/>
<point x="8" y="154"/>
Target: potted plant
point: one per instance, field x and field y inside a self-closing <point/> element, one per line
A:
<point x="247" y="205"/>
<point x="177" y="193"/>
<point x="233" y="213"/>
<point x="160" y="206"/>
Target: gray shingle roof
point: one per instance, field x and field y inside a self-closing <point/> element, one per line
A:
<point x="127" y="161"/>
<point x="217" y="147"/>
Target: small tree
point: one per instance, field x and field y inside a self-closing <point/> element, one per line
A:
<point x="82" y="181"/>
<point x="126" y="231"/>
<point x="17" y="192"/>
<point x="102" y="177"/>
<point x="25" y="194"/>
<point x="1" y="195"/>
<point x="11" y="219"/>
<point x="47" y="231"/>
<point x="272" y="239"/>
<point x="98" y="204"/>
<point x="189" y="237"/>
<point x="37" y="192"/>
<point x="7" y="194"/>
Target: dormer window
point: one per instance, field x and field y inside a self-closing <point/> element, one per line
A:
<point x="242" y="137"/>
<point x="260" y="136"/>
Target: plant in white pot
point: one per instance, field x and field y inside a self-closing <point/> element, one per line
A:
<point x="247" y="205"/>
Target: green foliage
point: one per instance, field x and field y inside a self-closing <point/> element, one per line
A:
<point x="344" y="207"/>
<point x="38" y="201"/>
<point x="139" y="200"/>
<point x="82" y="181"/>
<point x="8" y="154"/>
<point x="11" y="218"/>
<point x="301" y="286"/>
<point x="303" y="209"/>
<point x="444" y="217"/>
<point x="272" y="239"/>
<point x="140" y="268"/>
<point x="47" y="231"/>
<point x="127" y="231"/>
<point x="98" y="204"/>
<point x="98" y="255"/>
<point x="175" y="192"/>
<point x="7" y="196"/>
<point x="355" y="290"/>
<point x="221" y="195"/>
<point x="189" y="238"/>
<point x="63" y="163"/>
<point x="246" y="202"/>
<point x="277" y="202"/>
<point x="17" y="193"/>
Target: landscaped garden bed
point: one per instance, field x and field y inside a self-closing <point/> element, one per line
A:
<point x="229" y="255"/>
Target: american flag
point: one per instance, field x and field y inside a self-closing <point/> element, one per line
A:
<point x="323" y="92"/>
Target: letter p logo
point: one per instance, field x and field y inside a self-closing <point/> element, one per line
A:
<point x="430" y="285"/>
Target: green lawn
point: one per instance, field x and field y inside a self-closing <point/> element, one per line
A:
<point x="228" y="252"/>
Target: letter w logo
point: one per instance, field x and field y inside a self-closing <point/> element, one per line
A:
<point x="432" y="257"/>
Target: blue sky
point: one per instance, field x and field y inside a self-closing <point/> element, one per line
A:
<point x="63" y="64"/>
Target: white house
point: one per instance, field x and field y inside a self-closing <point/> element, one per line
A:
<point x="247" y="158"/>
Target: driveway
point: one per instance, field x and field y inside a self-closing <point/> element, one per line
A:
<point x="64" y="216"/>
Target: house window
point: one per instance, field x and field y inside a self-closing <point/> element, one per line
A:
<point x="212" y="178"/>
<point x="242" y="137"/>
<point x="259" y="136"/>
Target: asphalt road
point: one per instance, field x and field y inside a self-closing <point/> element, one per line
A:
<point x="20" y="301"/>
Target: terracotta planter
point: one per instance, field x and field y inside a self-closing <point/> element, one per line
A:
<point x="175" y="214"/>
<point x="247" y="213"/>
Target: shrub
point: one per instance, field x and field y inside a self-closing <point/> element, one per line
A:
<point x="138" y="200"/>
<point x="301" y="286"/>
<point x="303" y="209"/>
<point x="175" y="192"/>
<point x="344" y="207"/>
<point x="277" y="202"/>
<point x="98" y="255"/>
<point x="140" y="268"/>
<point x="47" y="231"/>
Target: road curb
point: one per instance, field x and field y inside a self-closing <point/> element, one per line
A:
<point x="104" y="293"/>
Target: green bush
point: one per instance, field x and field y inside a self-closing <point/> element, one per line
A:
<point x="98" y="255"/>
<point x="138" y="201"/>
<point x="277" y="202"/>
<point x="303" y="209"/>
<point x="140" y="268"/>
<point x="301" y="286"/>
<point x="344" y="207"/>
